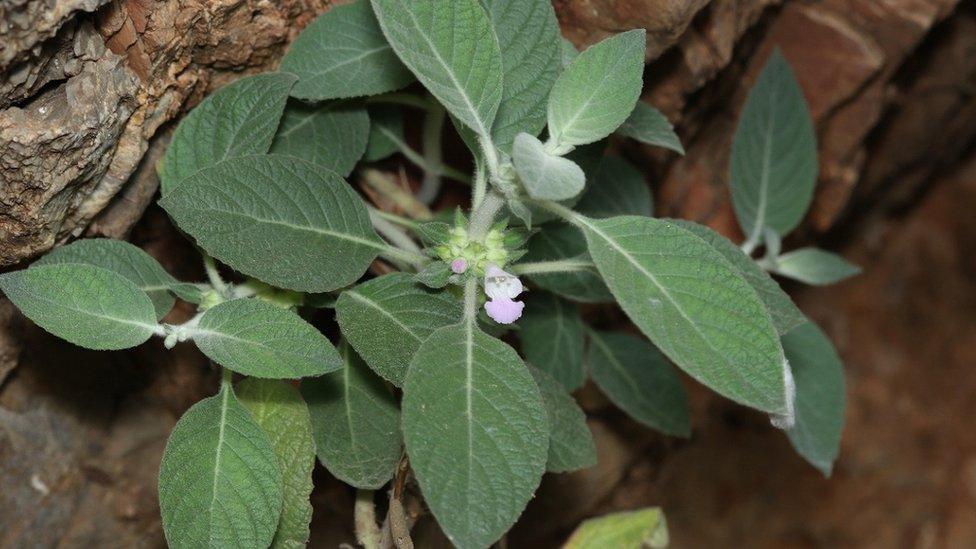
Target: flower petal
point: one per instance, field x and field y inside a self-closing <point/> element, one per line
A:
<point x="504" y="310"/>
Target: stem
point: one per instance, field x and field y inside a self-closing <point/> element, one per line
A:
<point x="226" y="376"/>
<point x="431" y="186"/>
<point x="404" y="99"/>
<point x="557" y="266"/>
<point x="490" y="153"/>
<point x="750" y="245"/>
<point x="563" y="212"/>
<point x="384" y="185"/>
<point x="364" y="511"/>
<point x="424" y="163"/>
<point x="397" y="255"/>
<point x="471" y="300"/>
<point x="398" y="238"/>
<point x="484" y="214"/>
<point x="213" y="275"/>
<point x="480" y="185"/>
<point x="394" y="218"/>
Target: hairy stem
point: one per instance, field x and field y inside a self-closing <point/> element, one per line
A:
<point x="398" y="238"/>
<point x="384" y="185"/>
<point x="484" y="215"/>
<point x="423" y="162"/>
<point x="471" y="300"/>
<point x="213" y="275"/>
<point x="557" y="266"/>
<point x="367" y="531"/>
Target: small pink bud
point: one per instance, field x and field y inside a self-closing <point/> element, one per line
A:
<point x="459" y="265"/>
<point x="504" y="310"/>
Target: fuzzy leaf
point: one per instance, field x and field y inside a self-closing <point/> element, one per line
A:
<point x="124" y="259"/>
<point x="452" y="49"/>
<point x="598" y="91"/>
<point x="571" y="445"/>
<point x="236" y="120"/>
<point x="815" y="266"/>
<point x="545" y="176"/>
<point x="343" y="54"/>
<point x="774" y="153"/>
<point x="568" y="51"/>
<point x="561" y="241"/>
<point x="331" y="135"/>
<point x="616" y="188"/>
<point x="639" y="380"/>
<point x="279" y="410"/>
<point x="551" y="333"/>
<point x="476" y="432"/>
<point x="786" y="315"/>
<point x="273" y="216"/>
<point x="356" y="423"/>
<point x="259" y="339"/>
<point x="694" y="306"/>
<point x="628" y="530"/>
<point x="86" y="305"/>
<point x="647" y="125"/>
<point x="219" y="481"/>
<point x="386" y="320"/>
<point x="819" y="376"/>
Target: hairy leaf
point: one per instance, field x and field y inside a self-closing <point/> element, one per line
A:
<point x="476" y="432"/>
<point x="616" y="188"/>
<point x="774" y="153"/>
<point x="568" y="52"/>
<point x="331" y="135"/>
<point x="452" y="49"/>
<point x="571" y="445"/>
<point x="815" y="266"/>
<point x="343" y="54"/>
<point x="647" y="125"/>
<point x="236" y="120"/>
<point x="694" y="306"/>
<point x="260" y="339"/>
<point x="627" y="530"/>
<point x="639" y="380"/>
<point x="561" y="241"/>
<point x="282" y="220"/>
<point x="86" y="305"/>
<point x="387" y="319"/>
<point x="551" y="333"/>
<point x="278" y="408"/>
<point x="219" y="481"/>
<point x="545" y="176"/>
<point x="598" y="91"/>
<point x="356" y="423"/>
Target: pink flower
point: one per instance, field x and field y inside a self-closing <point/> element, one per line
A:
<point x="459" y="265"/>
<point x="502" y="288"/>
<point x="504" y="311"/>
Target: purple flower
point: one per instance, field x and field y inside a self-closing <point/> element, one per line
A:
<point x="504" y="310"/>
<point x="459" y="265"/>
<point x="502" y="288"/>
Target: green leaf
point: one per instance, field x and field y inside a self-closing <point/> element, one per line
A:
<point x="568" y="52"/>
<point x="545" y="176"/>
<point x="476" y="432"/>
<point x="124" y="259"/>
<point x="598" y="91"/>
<point x="279" y="410"/>
<point x="561" y="241"/>
<point x="647" y="125"/>
<point x="435" y="275"/>
<point x="785" y="314"/>
<point x="273" y="216"/>
<point x="356" y="423"/>
<point x="86" y="305"/>
<point x="616" y="188"/>
<point x="528" y="37"/>
<point x="774" y="153"/>
<point x="693" y="305"/>
<point x="387" y="318"/>
<point x="332" y="135"/>
<point x="551" y="333"/>
<point x="452" y="49"/>
<point x="629" y="530"/>
<point x="639" y="380"/>
<point x="219" y="482"/>
<point x="385" y="132"/>
<point x="571" y="445"/>
<point x="260" y="339"/>
<point x="819" y="376"/>
<point x="238" y="119"/>
<point x="343" y="54"/>
<point x="814" y="266"/>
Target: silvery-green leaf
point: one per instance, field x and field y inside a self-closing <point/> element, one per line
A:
<point x="190" y="292"/>
<point x="819" y="377"/>
<point x="648" y="125"/>
<point x="121" y="258"/>
<point x="551" y="333"/>
<point x="561" y="241"/>
<point x="785" y="314"/>
<point x="528" y="37"/>
<point x="219" y="481"/>
<point x="773" y="242"/>
<point x="278" y="408"/>
<point x="616" y="188"/>
<point x="236" y="120"/>
<point x="568" y="51"/>
<point x="331" y="135"/>
<point x="356" y="423"/>
<point x="282" y="220"/>
<point x="260" y="339"/>
<point x="476" y="432"/>
<point x="774" y="153"/>
<point x="693" y="304"/>
<point x="435" y="275"/>
<point x="598" y="91"/>
<point x="630" y="530"/>
<point x="545" y="176"/>
<point x="343" y="54"/>
<point x="815" y="266"/>
<point x="387" y="319"/>
<point x="86" y="305"/>
<point x="385" y="132"/>
<point x="639" y="380"/>
<point x="571" y="445"/>
<point x="452" y="49"/>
